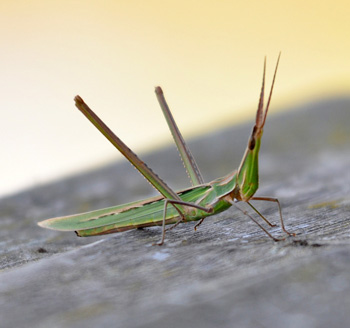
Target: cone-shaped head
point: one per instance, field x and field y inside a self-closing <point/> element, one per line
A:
<point x="248" y="172"/>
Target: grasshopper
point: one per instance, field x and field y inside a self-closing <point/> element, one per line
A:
<point x="191" y="204"/>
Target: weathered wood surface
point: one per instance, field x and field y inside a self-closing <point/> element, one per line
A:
<point x="227" y="274"/>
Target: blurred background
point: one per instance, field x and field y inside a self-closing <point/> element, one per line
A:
<point x="207" y="56"/>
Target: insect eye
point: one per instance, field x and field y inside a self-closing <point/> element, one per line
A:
<point x="251" y="145"/>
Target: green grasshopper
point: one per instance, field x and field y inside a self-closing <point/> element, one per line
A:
<point x="191" y="204"/>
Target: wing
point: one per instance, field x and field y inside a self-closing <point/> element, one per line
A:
<point x="148" y="212"/>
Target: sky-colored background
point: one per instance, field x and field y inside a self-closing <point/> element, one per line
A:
<point x="207" y="56"/>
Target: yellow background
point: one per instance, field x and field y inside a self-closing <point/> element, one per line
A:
<point x="207" y="56"/>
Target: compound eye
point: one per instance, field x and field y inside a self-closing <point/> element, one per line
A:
<point x="251" y="144"/>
